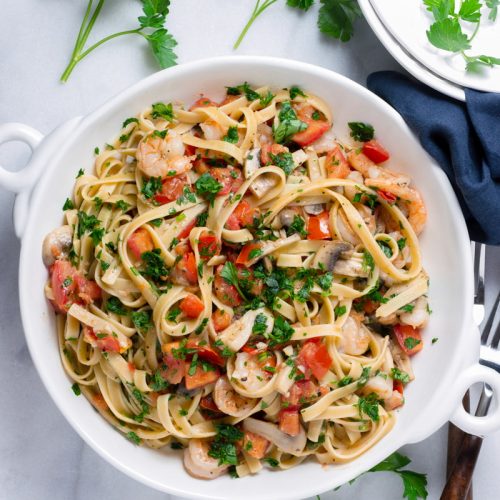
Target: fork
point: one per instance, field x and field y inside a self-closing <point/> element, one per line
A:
<point x="456" y="435"/>
<point x="458" y="484"/>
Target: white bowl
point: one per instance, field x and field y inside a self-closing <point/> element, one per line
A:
<point x="441" y="372"/>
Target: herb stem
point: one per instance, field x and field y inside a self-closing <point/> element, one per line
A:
<point x="105" y="39"/>
<point x="476" y="29"/>
<point x="257" y="11"/>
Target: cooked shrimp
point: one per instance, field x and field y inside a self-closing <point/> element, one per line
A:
<point x="371" y="170"/>
<point x="212" y="130"/>
<point x="57" y="244"/>
<point x="419" y="316"/>
<point x="355" y="338"/>
<point x="248" y="372"/>
<point x="380" y="384"/>
<point x="417" y="213"/>
<point x="229" y="401"/>
<point x="158" y="157"/>
<point x="325" y="143"/>
<point x="368" y="217"/>
<point x="350" y="191"/>
<point x="198" y="463"/>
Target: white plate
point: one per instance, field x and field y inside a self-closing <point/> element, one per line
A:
<point x="401" y="55"/>
<point x="408" y="21"/>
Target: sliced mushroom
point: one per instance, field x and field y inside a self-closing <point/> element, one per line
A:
<point x="315" y="209"/>
<point x="57" y="245"/>
<point x="351" y="267"/>
<point x="262" y="185"/>
<point x="329" y="253"/>
<point x="252" y="163"/>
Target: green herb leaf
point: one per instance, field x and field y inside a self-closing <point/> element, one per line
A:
<point x="411" y="342"/>
<point x="155" y="267"/>
<point x="369" y="406"/>
<point x="282" y="332"/>
<point x="162" y="44"/>
<point x="400" y="375"/>
<point x="230" y="275"/>
<point x="223" y="446"/>
<point x="447" y="35"/>
<point x="207" y="186"/>
<point x="134" y="437"/>
<point x="361" y="132"/>
<point x="336" y="18"/>
<point x="296" y="91"/>
<point x="162" y="110"/>
<point x="340" y="311"/>
<point x="289" y="124"/>
<point x="298" y="226"/>
<point x="155" y="12"/>
<point x="470" y="10"/>
<point x="115" y="305"/>
<point x="232" y="135"/>
<point x="151" y="186"/>
<point x="141" y="320"/>
<point x="493" y="6"/>
<point x="68" y="205"/>
<point x="283" y="161"/>
<point x="128" y="121"/>
<point x="76" y="389"/>
<point x="300" y="4"/>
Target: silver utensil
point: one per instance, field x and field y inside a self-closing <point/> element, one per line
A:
<point x="478" y="256"/>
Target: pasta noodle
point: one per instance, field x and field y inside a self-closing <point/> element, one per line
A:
<point x="234" y="281"/>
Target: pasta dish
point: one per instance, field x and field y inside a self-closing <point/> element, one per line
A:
<point x="236" y="281"/>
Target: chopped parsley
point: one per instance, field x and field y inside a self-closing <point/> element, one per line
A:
<point x="265" y="100"/>
<point x="411" y="342"/>
<point x="114" y="305"/>
<point x="340" y="311"/>
<point x="283" y="161"/>
<point x="172" y="314"/>
<point x="282" y="332"/>
<point x="128" y="121"/>
<point x="369" y="406"/>
<point x="368" y="262"/>
<point x="134" y="437"/>
<point x="158" y="383"/>
<point x="162" y="110"/>
<point x="230" y="274"/>
<point x="295" y="91"/>
<point x="141" y="320"/>
<point x="68" y="205"/>
<point x="289" y="124"/>
<point x="232" y="135"/>
<point x="90" y="224"/>
<point x="401" y="243"/>
<point x="122" y="205"/>
<point x="207" y="186"/>
<point x="271" y="461"/>
<point x="223" y="447"/>
<point x="407" y="308"/>
<point x="360" y="131"/>
<point x="76" y="389"/>
<point x="385" y="248"/>
<point x="400" y="375"/>
<point x="244" y="88"/>
<point x="155" y="267"/>
<point x="344" y="381"/>
<point x="298" y="226"/>
<point x="260" y="324"/>
<point x="151" y="186"/>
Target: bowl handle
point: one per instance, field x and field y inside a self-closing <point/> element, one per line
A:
<point x="24" y="179"/>
<point x="478" y="426"/>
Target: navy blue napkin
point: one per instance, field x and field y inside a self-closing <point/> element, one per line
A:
<point x="464" y="139"/>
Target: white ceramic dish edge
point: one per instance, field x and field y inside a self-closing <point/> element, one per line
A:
<point x="123" y="455"/>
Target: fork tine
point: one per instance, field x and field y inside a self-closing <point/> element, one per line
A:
<point x="489" y="324"/>
<point x="479" y="251"/>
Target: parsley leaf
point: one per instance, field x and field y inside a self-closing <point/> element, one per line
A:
<point x="470" y="10"/>
<point x="115" y="305"/>
<point x="411" y="342"/>
<point x="155" y="266"/>
<point x="447" y="35"/>
<point x="151" y="186"/>
<point x="282" y="332"/>
<point x="400" y="375"/>
<point x="141" y="320"/>
<point x="296" y="91"/>
<point x="162" y="110"/>
<point x="162" y="44"/>
<point x="493" y="6"/>
<point x="300" y="4"/>
<point x="298" y="226"/>
<point x="76" y="389"/>
<point x="155" y="12"/>
<point x="336" y="18"/>
<point x="232" y="135"/>
<point x="223" y="447"/>
<point x="369" y="406"/>
<point x="289" y="124"/>
<point x="283" y="161"/>
<point x="68" y="205"/>
<point x="244" y="88"/>
<point x="361" y="131"/>
<point x="230" y="275"/>
<point x="207" y="186"/>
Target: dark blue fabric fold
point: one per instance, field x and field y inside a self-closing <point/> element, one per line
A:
<point x="464" y="139"/>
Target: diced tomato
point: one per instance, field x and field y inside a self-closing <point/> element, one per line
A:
<point x="207" y="352"/>
<point x="397" y="385"/>
<point x="315" y="128"/>
<point x="192" y="306"/>
<point x="200" y="377"/>
<point x="224" y="291"/>
<point x="69" y="286"/>
<point x="173" y="372"/>
<point x="267" y="149"/>
<point x="99" y="402"/>
<point x="248" y="253"/>
<point x="250" y="349"/>
<point x="171" y="189"/>
<point x="187" y="230"/>
<point x="140" y="241"/>
<point x="315" y="357"/>
<point x="243" y="215"/>
<point x="300" y="393"/>
<point x="189" y="150"/>
<point x="203" y="102"/>
<point x="389" y="197"/>
<point x="255" y="285"/>
<point x="207" y="403"/>
<point x="254" y="444"/>
<point x="185" y="269"/>
<point x="409" y="339"/>
<point x="108" y="343"/>
<point x="336" y="164"/>
<point x="230" y="178"/>
<point x="208" y="245"/>
<point x="201" y="166"/>
<point x="131" y="367"/>
<point x="318" y="227"/>
<point x="221" y="320"/>
<point x="375" y="151"/>
<point x="370" y="306"/>
<point x="289" y="422"/>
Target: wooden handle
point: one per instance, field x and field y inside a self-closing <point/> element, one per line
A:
<point x="459" y="480"/>
<point x="455" y="438"/>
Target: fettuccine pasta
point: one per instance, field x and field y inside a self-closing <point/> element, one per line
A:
<point x="233" y="280"/>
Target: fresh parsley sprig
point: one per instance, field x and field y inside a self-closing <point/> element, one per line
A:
<point x="151" y="27"/>
<point x="446" y="31"/>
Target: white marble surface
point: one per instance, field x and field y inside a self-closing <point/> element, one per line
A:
<point x="41" y="457"/>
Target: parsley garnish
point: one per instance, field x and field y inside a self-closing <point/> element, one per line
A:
<point x="76" y="389"/>
<point x="282" y="332"/>
<point x="207" y="186"/>
<point x="361" y="131"/>
<point x="172" y="314"/>
<point x="68" y="205"/>
<point x="223" y="447"/>
<point x="271" y="461"/>
<point x="411" y="342"/>
<point x="151" y="27"/>
<point x="244" y="88"/>
<point x="407" y="308"/>
<point x="401" y="243"/>
<point x="122" y="205"/>
<point x="162" y="110"/>
<point x="155" y="267"/>
<point x="369" y="406"/>
<point x="295" y="91"/>
<point x="151" y="186"/>
<point x="260" y="324"/>
<point x="283" y="161"/>
<point x="158" y="383"/>
<point x="230" y="275"/>
<point x="115" y="305"/>
<point x="368" y="264"/>
<point x="232" y="135"/>
<point x="141" y="320"/>
<point x="400" y="375"/>
<point x="128" y="121"/>
<point x="385" y="248"/>
<point x="134" y="437"/>
<point x="289" y="124"/>
<point x="340" y="311"/>
<point x="298" y="226"/>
